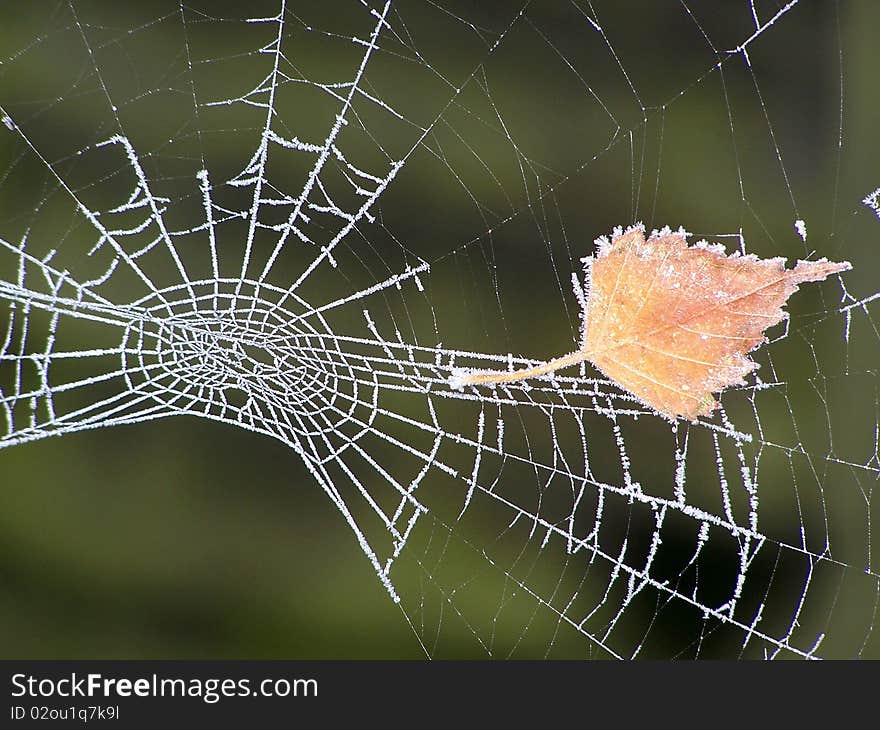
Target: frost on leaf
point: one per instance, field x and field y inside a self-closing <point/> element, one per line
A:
<point x="672" y="323"/>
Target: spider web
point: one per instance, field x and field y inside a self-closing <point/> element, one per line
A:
<point x="304" y="221"/>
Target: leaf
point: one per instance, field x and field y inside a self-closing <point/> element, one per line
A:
<point x="672" y="323"/>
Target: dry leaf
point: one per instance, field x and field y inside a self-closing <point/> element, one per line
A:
<point x="672" y="323"/>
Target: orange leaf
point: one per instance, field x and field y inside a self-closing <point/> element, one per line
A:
<point x="672" y="323"/>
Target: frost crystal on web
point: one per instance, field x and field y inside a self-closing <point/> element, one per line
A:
<point x="307" y="291"/>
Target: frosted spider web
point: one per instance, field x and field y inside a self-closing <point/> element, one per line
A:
<point x="302" y="221"/>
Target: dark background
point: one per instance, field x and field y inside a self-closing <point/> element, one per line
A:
<point x="187" y="538"/>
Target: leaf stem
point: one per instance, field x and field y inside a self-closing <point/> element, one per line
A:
<point x="511" y="376"/>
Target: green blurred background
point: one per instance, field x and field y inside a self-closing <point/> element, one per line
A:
<point x="186" y="538"/>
